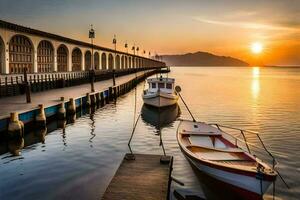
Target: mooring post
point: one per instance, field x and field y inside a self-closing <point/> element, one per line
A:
<point x="114" y="77"/>
<point x="110" y="92"/>
<point x="71" y="107"/>
<point x="92" y="79"/>
<point x="102" y="99"/>
<point x="40" y="118"/>
<point x="27" y="87"/>
<point x="15" y="126"/>
<point x="61" y="114"/>
<point x="88" y="99"/>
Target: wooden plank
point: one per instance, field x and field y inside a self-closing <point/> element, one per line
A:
<point x="143" y="178"/>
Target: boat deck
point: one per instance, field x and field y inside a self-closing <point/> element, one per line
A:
<point x="143" y="178"/>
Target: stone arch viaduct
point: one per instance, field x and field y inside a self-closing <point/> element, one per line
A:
<point x="42" y="52"/>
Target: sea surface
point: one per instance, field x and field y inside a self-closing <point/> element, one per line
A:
<point x="79" y="160"/>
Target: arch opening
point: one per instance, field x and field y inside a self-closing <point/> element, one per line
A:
<point x="20" y="54"/>
<point x="126" y="63"/>
<point x="96" y="61"/>
<point x="103" y="61"/>
<point x="122" y="62"/>
<point x="129" y="64"/>
<point x="76" y="59"/>
<point x="2" y="57"/>
<point x="62" y="58"/>
<point x="117" y="62"/>
<point x="88" y="60"/>
<point x="45" y="56"/>
<point x="110" y="61"/>
<point x="133" y="63"/>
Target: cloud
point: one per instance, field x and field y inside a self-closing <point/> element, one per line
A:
<point x="246" y="25"/>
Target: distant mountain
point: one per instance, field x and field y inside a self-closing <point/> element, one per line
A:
<point x="202" y="59"/>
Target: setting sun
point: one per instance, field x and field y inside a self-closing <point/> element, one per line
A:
<point x="256" y="47"/>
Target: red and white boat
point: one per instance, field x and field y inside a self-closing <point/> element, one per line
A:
<point x="207" y="148"/>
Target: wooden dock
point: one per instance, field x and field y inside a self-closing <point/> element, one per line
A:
<point x="146" y="177"/>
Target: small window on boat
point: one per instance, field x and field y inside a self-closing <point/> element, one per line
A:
<point x="169" y="86"/>
<point x="153" y="85"/>
<point x="161" y="85"/>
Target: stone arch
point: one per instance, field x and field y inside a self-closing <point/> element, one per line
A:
<point x="103" y="61"/>
<point x="110" y="61"/>
<point x="76" y="59"/>
<point x="88" y="60"/>
<point x="96" y="61"/>
<point x="2" y="57"/>
<point x="62" y="58"/>
<point x="117" y="62"/>
<point x="126" y="63"/>
<point x="45" y="56"/>
<point x="21" y="51"/>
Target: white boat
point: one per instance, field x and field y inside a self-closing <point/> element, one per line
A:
<point x="160" y="93"/>
<point x="207" y="148"/>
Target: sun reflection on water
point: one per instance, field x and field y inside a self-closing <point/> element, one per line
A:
<point x="255" y="86"/>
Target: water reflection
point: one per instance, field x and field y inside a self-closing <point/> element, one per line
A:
<point x="160" y="117"/>
<point x="255" y="86"/>
<point x="15" y="146"/>
<point x="40" y="135"/>
<point x="92" y="128"/>
<point x="61" y="124"/>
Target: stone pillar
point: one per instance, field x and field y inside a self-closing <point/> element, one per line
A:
<point x="114" y="59"/>
<point x="35" y="63"/>
<point x="107" y="61"/>
<point x="6" y="59"/>
<point x="70" y="61"/>
<point x="55" y="61"/>
<point x="100" y="60"/>
<point x="82" y="61"/>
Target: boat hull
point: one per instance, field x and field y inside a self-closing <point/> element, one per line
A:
<point x="160" y="99"/>
<point x="209" y="152"/>
<point x="249" y="187"/>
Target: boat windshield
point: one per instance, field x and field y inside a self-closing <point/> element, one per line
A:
<point x="161" y="85"/>
<point x="169" y="86"/>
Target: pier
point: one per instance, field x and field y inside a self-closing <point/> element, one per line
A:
<point x="145" y="177"/>
<point x="75" y="97"/>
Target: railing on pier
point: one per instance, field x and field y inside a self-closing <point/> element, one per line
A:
<point x="12" y="85"/>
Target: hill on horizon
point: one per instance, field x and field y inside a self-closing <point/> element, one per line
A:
<point x="202" y="59"/>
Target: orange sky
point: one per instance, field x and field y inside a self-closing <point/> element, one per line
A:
<point x="223" y="27"/>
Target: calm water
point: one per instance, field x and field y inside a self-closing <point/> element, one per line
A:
<point x="79" y="161"/>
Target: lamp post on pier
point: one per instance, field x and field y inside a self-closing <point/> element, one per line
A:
<point x="126" y="47"/>
<point x="133" y="49"/>
<point x="115" y="42"/>
<point x="113" y="72"/>
<point x="92" y="69"/>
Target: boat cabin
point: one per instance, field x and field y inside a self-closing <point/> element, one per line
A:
<point x="163" y="84"/>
